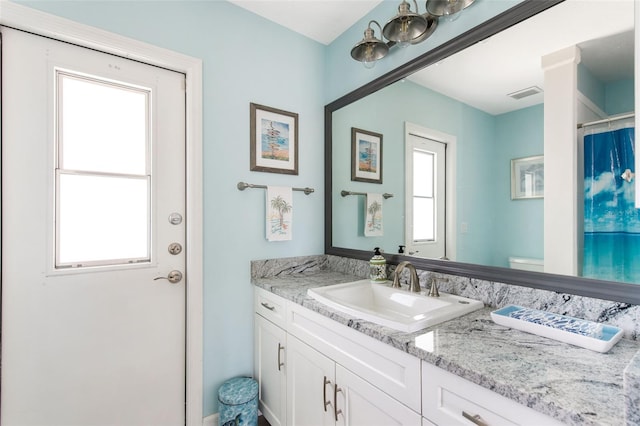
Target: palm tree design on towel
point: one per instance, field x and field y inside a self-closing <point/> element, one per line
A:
<point x="280" y="205"/>
<point x="374" y="224"/>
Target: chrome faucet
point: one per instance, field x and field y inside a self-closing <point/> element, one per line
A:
<point x="414" y="281"/>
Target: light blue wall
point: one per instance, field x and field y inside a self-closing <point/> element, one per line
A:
<point x="619" y="97"/>
<point x="245" y="59"/>
<point x="475" y="190"/>
<point x="612" y="97"/>
<point x="377" y="113"/>
<point x="249" y="59"/>
<point x="591" y="87"/>
<point x="519" y="224"/>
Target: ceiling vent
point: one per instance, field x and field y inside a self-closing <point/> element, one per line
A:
<point x="525" y="92"/>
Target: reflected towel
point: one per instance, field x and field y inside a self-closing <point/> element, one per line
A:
<point x="279" y="215"/>
<point x="373" y="216"/>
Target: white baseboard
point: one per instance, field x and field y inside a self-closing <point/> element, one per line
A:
<point x="211" y="420"/>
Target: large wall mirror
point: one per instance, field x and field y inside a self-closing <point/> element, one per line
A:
<point x="482" y="95"/>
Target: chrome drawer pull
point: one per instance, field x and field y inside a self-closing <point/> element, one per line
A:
<point x="475" y="418"/>
<point x="280" y="363"/>
<point x="324" y="393"/>
<point x="336" y="389"/>
<point x="266" y="305"/>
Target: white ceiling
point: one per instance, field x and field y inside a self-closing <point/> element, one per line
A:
<point x="320" y="20"/>
<point x="483" y="75"/>
<point x="505" y="63"/>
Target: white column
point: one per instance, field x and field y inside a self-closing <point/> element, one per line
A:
<point x="561" y="162"/>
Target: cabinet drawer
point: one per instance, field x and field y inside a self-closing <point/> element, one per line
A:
<point x="451" y="400"/>
<point x="270" y="306"/>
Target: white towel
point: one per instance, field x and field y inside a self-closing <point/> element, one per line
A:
<point x="373" y="216"/>
<point x="279" y="213"/>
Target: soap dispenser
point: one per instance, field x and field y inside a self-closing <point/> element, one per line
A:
<point x="377" y="267"/>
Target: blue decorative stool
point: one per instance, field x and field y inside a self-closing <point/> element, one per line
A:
<point x="238" y="402"/>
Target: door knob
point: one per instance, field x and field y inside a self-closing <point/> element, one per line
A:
<point x="173" y="277"/>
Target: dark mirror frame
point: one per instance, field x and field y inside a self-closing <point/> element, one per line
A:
<point x="606" y="290"/>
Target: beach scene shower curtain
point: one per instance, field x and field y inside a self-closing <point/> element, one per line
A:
<point x="611" y="222"/>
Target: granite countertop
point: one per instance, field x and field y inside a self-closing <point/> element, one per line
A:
<point x="574" y="385"/>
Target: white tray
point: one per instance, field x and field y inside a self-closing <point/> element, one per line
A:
<point x="586" y="334"/>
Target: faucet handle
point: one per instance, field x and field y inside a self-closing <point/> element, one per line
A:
<point x="433" y="289"/>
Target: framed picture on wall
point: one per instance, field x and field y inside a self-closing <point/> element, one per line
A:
<point x="527" y="178"/>
<point x="366" y="156"/>
<point x="274" y="140"/>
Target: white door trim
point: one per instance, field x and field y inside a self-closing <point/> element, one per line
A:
<point x="24" y="18"/>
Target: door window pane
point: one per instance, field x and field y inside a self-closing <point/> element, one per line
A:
<point x="102" y="126"/>
<point x="103" y="208"/>
<point x="102" y="218"/>
<point x="423" y="219"/>
<point x="423" y="195"/>
<point x="423" y="173"/>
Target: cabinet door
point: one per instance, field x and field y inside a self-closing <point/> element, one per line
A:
<point x="310" y="385"/>
<point x="362" y="404"/>
<point x="270" y="370"/>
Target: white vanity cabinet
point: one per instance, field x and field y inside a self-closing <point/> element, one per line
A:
<point x="448" y="399"/>
<point x="270" y="357"/>
<point x="314" y="371"/>
<point x="331" y="373"/>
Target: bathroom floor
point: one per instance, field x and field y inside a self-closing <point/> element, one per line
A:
<point x="262" y="421"/>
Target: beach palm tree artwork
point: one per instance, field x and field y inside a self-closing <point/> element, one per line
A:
<point x="374" y="223"/>
<point x="279" y="208"/>
<point x="275" y="140"/>
<point x="367" y="156"/>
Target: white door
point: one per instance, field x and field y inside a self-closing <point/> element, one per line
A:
<point x="425" y="197"/>
<point x="93" y="150"/>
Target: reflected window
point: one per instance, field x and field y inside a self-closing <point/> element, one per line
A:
<point x="424" y="199"/>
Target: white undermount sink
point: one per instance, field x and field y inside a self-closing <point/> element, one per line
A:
<point x="391" y="307"/>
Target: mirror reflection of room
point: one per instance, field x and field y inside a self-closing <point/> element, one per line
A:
<point x="497" y="111"/>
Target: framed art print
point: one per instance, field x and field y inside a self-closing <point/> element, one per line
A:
<point x="274" y="140"/>
<point x="527" y="177"/>
<point x="366" y="156"/>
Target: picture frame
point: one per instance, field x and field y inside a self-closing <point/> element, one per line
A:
<point x="366" y="156"/>
<point x="527" y="177"/>
<point x="273" y="140"/>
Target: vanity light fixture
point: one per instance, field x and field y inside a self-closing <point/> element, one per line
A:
<point x="405" y="28"/>
<point x="449" y="9"/>
<point x="370" y="48"/>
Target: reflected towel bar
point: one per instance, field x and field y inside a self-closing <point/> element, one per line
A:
<point x="345" y="193"/>
<point x="244" y="185"/>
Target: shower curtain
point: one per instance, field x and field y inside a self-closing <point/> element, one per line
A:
<point x="611" y="222"/>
